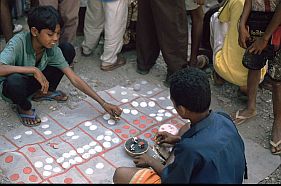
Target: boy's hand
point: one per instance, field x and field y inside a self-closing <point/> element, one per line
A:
<point x="113" y="110"/>
<point x="143" y="160"/>
<point x="166" y="137"/>
<point x="258" y="46"/>
<point x="200" y="2"/>
<point x="243" y="36"/>
<point x="39" y="76"/>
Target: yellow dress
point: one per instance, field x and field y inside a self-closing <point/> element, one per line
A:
<point x="228" y="60"/>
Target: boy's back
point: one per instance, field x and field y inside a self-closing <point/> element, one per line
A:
<point x="207" y="151"/>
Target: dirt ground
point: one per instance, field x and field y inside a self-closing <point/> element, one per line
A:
<point x="88" y="68"/>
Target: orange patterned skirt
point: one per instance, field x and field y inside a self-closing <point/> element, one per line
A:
<point x="147" y="176"/>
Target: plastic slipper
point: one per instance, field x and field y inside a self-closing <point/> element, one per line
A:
<point x="52" y="97"/>
<point x="26" y="116"/>
<point x="275" y="145"/>
<point x="202" y="61"/>
<point x="242" y="118"/>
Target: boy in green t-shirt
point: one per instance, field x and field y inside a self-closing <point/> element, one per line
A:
<point x="32" y="64"/>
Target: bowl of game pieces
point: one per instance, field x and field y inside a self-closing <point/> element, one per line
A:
<point x="136" y="146"/>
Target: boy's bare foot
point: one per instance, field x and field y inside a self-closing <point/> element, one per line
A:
<point x="276" y="138"/>
<point x="243" y="115"/>
<point x="28" y="117"/>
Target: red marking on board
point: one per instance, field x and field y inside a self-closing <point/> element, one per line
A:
<point x="142" y="126"/>
<point x="133" y="131"/>
<point x="117" y="130"/>
<point x="149" y="121"/>
<point x="68" y="180"/>
<point x="27" y="170"/>
<point x="31" y="149"/>
<point x="126" y="127"/>
<point x="147" y="135"/>
<point x="14" y="177"/>
<point x="143" y="117"/>
<point x="33" y="178"/>
<point x="136" y="122"/>
<point x="124" y="135"/>
<point x="9" y="159"/>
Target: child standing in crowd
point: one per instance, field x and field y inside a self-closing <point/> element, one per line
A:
<point x="33" y="64"/>
<point x="271" y="35"/>
<point x="211" y="151"/>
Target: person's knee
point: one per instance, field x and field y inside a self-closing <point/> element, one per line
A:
<point x="14" y="80"/>
<point x="119" y="175"/>
<point x="68" y="51"/>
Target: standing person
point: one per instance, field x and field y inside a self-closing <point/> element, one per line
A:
<point x="6" y="21"/>
<point x="69" y="11"/>
<point x="161" y="25"/>
<point x="197" y="16"/>
<point x="210" y="152"/>
<point x="110" y="16"/>
<point x="32" y="64"/>
<point x="271" y="35"/>
<point x="227" y="54"/>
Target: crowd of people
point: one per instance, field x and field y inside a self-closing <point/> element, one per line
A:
<point x="242" y="36"/>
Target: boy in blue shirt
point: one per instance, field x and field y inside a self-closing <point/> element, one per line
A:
<point x="32" y="64"/>
<point x="211" y="151"/>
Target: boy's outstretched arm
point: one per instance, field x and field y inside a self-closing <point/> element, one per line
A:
<point x="113" y="110"/>
<point x="261" y="43"/>
<point x="6" y="70"/>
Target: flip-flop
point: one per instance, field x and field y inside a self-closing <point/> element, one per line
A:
<point x="242" y="118"/>
<point x="52" y="97"/>
<point x="202" y="61"/>
<point x="275" y="145"/>
<point x="26" y="116"/>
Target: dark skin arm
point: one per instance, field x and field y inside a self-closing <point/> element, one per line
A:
<point x="243" y="29"/>
<point x="260" y="44"/>
<point x="6" y="70"/>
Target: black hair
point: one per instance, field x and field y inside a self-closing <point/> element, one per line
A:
<point x="190" y="88"/>
<point x="44" y="17"/>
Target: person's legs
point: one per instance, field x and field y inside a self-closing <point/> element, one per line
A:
<point x="69" y="11"/>
<point x="276" y="127"/>
<point x="18" y="88"/>
<point x="197" y="16"/>
<point x="6" y="20"/>
<point x="171" y="24"/>
<point x="123" y="175"/>
<point x="146" y="38"/>
<point x="114" y="29"/>
<point x="93" y="26"/>
<point x="252" y="88"/>
<point x="54" y="75"/>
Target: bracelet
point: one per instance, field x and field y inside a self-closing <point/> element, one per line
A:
<point x="104" y="103"/>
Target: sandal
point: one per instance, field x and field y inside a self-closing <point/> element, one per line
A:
<point x="120" y="62"/>
<point x="275" y="145"/>
<point x="57" y="95"/>
<point x="242" y="118"/>
<point x="33" y="117"/>
<point x="202" y="61"/>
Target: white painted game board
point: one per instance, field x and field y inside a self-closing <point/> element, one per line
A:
<point x="84" y="145"/>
